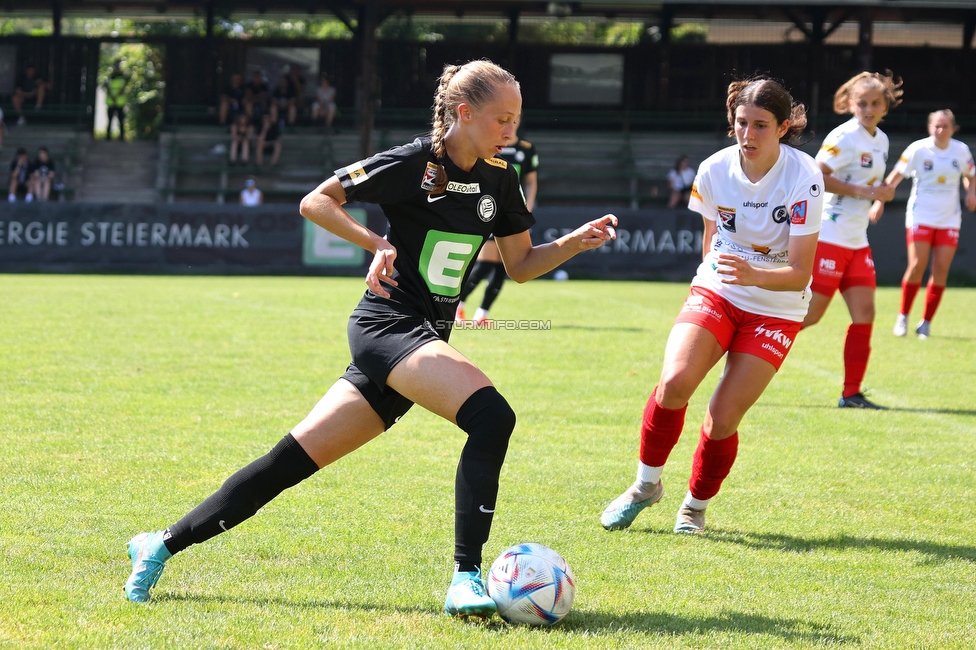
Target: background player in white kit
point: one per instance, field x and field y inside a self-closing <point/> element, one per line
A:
<point x="933" y="217"/>
<point x="761" y="203"/>
<point x="852" y="159"/>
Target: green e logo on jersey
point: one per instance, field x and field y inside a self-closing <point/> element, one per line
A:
<point x="444" y="259"/>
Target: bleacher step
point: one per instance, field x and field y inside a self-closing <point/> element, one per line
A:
<point x="120" y="171"/>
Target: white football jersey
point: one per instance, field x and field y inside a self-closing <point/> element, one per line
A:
<point x="935" y="182"/>
<point x="856" y="157"/>
<point x="755" y="222"/>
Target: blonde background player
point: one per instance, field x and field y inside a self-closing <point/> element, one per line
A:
<point x="853" y="158"/>
<point x="933" y="217"/>
<point x="761" y="202"/>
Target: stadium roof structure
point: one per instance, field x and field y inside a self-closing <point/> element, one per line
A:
<point x="888" y="9"/>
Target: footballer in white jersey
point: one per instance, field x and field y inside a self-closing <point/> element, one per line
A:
<point x="755" y="221"/>
<point x="935" y="173"/>
<point x="858" y="158"/>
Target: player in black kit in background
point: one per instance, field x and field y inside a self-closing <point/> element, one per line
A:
<point x="443" y="195"/>
<point x="523" y="157"/>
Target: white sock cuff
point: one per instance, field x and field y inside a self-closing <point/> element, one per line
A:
<point x="648" y="474"/>
<point x="697" y="504"/>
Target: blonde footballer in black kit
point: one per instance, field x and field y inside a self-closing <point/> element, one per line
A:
<point x="443" y="195"/>
<point x="523" y="157"/>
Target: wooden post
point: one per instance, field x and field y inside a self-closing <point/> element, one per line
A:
<point x="368" y="50"/>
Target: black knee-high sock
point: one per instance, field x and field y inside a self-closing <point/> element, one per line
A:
<point x="478" y="273"/>
<point x="489" y="421"/>
<point x="242" y="495"/>
<point x="494" y="284"/>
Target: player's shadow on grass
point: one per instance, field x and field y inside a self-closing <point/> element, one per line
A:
<point x="896" y="409"/>
<point x="663" y="624"/>
<point x="788" y="543"/>
<point x="645" y="622"/>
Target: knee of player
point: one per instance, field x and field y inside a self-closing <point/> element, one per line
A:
<point x="674" y="389"/>
<point x="487" y="414"/>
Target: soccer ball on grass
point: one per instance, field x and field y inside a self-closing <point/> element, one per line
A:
<point x="531" y="584"/>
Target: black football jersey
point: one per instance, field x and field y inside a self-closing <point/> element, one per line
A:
<point x="522" y="156"/>
<point x="436" y="236"/>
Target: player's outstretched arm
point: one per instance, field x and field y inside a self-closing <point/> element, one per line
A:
<point x="523" y="261"/>
<point x="323" y="207"/>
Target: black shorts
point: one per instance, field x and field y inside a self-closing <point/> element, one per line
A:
<point x="380" y="339"/>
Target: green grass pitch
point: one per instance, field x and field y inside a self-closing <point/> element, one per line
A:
<point x="124" y="401"/>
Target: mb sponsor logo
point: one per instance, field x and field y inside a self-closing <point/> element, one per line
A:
<point x="775" y="335"/>
<point x="828" y="265"/>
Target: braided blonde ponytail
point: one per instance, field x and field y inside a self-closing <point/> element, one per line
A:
<point x="473" y="83"/>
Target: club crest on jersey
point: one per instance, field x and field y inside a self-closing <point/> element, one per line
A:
<point x="798" y="213"/>
<point x="867" y="160"/>
<point x="927" y="165"/>
<point x="486" y="208"/>
<point x="430" y="178"/>
<point x="727" y="215"/>
<point x="780" y="215"/>
<point x="955" y="164"/>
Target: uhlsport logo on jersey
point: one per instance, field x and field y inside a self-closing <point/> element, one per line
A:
<point x="444" y="259"/>
<point x="486" y="208"/>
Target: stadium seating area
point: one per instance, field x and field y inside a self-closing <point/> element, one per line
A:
<point x="607" y="167"/>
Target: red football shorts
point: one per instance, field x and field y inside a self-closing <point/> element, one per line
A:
<point x="737" y="330"/>
<point x="841" y="268"/>
<point x="932" y="236"/>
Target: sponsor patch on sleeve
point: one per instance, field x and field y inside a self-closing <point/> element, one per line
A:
<point x="798" y="213"/>
<point x="694" y="192"/>
<point x="356" y="173"/>
<point x="430" y="178"/>
<point x="833" y="150"/>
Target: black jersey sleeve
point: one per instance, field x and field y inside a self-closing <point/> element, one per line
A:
<point x="387" y="177"/>
<point x="531" y="163"/>
<point x="515" y="217"/>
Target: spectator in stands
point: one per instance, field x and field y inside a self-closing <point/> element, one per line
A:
<point x="283" y="100"/>
<point x="41" y="175"/>
<point x="680" y="179"/>
<point x="241" y="132"/>
<point x="297" y="83"/>
<point x="256" y="97"/>
<point x="269" y="140"/>
<point x="19" y="177"/>
<point x="232" y="99"/>
<point x="324" y="106"/>
<point x="251" y="195"/>
<point x="30" y="86"/>
<point x="115" y="99"/>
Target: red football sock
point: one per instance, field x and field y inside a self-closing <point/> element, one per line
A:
<point x="660" y="431"/>
<point x="857" y="349"/>
<point x="713" y="462"/>
<point x="933" y="295"/>
<point x="908" y="292"/>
